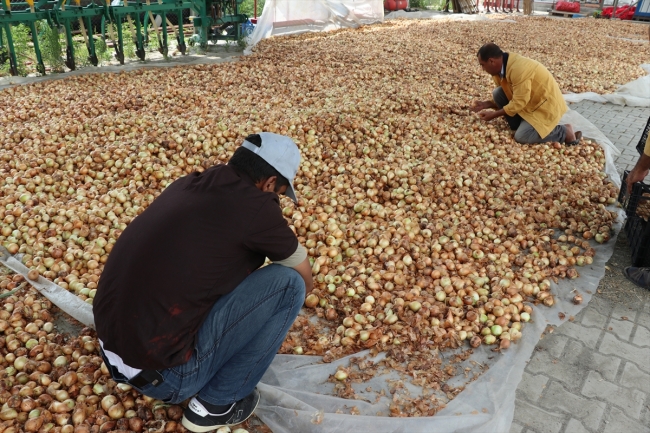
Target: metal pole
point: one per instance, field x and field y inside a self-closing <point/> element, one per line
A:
<point x="40" y="67"/>
<point x="13" y="62"/>
<point x="181" y="37"/>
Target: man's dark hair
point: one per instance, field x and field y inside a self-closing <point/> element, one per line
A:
<point x="254" y="166"/>
<point x="489" y="51"/>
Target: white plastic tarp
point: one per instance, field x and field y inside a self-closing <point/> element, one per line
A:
<point x="283" y="17"/>
<point x="635" y="93"/>
<point x="298" y="397"/>
<point x="296" y="393"/>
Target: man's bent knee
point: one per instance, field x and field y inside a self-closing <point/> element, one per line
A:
<point x="499" y="97"/>
<point x="527" y="136"/>
<point x="294" y="280"/>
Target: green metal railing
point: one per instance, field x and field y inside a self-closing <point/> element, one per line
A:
<point x="206" y="15"/>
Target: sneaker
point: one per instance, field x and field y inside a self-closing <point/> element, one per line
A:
<point x="639" y="276"/>
<point x="196" y="418"/>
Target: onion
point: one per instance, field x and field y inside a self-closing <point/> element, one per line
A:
<point x="116" y="411"/>
<point x="136" y="424"/>
<point x="340" y="375"/>
<point x="311" y="301"/>
<point x="108" y="401"/>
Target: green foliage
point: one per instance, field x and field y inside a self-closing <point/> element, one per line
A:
<point x="128" y="43"/>
<point x="4" y="67"/>
<point x="241" y="43"/>
<point x="153" y="44"/>
<point x="248" y="7"/>
<point x="103" y="54"/>
<point x="23" y="49"/>
<point x="49" y="40"/>
<point x="81" y="55"/>
<point x="427" y="4"/>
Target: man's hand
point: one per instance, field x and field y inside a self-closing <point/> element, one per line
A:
<point x="639" y="172"/>
<point x="486" y="116"/>
<point x="480" y="105"/>
<point x="636" y="175"/>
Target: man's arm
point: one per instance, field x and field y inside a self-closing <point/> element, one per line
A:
<point x="483" y="105"/>
<point x="299" y="261"/>
<point x="641" y="169"/>
<point x="520" y="97"/>
<point x="304" y="269"/>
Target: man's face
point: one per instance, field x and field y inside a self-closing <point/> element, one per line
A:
<point x="281" y="190"/>
<point x="491" y="66"/>
<point x="270" y="185"/>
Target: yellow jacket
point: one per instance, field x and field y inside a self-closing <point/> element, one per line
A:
<point x="533" y="93"/>
<point x="646" y="150"/>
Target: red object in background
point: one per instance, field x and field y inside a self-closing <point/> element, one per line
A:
<point x="394" y="5"/>
<point x="567" y="6"/>
<point x="390" y="5"/>
<point x="623" y="12"/>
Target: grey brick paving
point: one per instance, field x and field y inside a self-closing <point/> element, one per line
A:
<point x="537" y="419"/>
<point x="568" y="374"/>
<point x="623" y="126"/>
<point x="559" y="399"/>
<point x="591" y="317"/>
<point x="553" y="344"/>
<point x="619" y="422"/>
<point x="532" y="386"/>
<point x="644" y="319"/>
<point x="586" y="358"/>
<point x="634" y="378"/>
<point x="589" y="336"/>
<point x="642" y="336"/>
<point x="592" y="375"/>
<point x="632" y="399"/>
<point x="621" y="311"/>
<point x="516" y="428"/>
<point x="575" y="426"/>
<point x="613" y="346"/>
<point x="622" y="328"/>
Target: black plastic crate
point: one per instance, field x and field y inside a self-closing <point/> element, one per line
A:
<point x="637" y="230"/>
<point x="637" y="203"/>
<point x="644" y="137"/>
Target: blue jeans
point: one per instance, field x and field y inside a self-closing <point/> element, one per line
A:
<point x="237" y="341"/>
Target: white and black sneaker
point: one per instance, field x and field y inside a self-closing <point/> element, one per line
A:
<point x="197" y="419"/>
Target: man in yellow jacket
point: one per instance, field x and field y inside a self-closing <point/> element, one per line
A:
<point x="528" y="96"/>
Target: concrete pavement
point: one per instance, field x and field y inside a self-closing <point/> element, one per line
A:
<point x="592" y="375"/>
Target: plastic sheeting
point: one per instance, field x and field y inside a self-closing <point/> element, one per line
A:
<point x="426" y="14"/>
<point x="296" y="393"/>
<point x="284" y="17"/>
<point x="62" y="298"/>
<point x="590" y="131"/>
<point x="297" y="396"/>
<point x="635" y="93"/>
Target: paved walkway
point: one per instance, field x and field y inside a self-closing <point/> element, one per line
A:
<point x="592" y="375"/>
